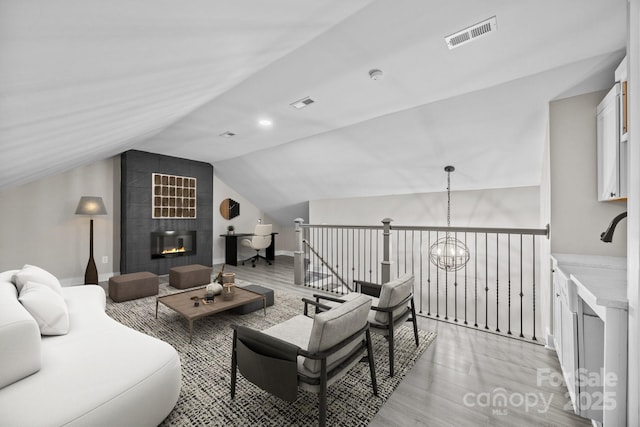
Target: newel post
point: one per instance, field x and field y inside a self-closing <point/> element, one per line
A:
<point x="298" y="254"/>
<point x="386" y="244"/>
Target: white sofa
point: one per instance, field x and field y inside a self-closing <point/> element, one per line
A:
<point x="100" y="373"/>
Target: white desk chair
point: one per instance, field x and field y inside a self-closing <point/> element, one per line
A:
<point x="261" y="240"/>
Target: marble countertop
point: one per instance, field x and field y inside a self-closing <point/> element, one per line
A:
<point x="600" y="280"/>
<point x="591" y="261"/>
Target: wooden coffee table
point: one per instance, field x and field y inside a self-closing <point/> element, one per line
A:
<point x="182" y="304"/>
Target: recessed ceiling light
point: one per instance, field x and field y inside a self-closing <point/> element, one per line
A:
<point x="265" y="123"/>
<point x="227" y="134"/>
<point x="301" y="103"/>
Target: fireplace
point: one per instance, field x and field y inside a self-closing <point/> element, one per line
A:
<point x="167" y="244"/>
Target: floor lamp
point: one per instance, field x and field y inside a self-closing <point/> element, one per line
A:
<point x="91" y="205"/>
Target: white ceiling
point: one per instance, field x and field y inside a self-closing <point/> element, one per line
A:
<point x="84" y="80"/>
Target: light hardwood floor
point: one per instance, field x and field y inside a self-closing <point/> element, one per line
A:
<point x="465" y="378"/>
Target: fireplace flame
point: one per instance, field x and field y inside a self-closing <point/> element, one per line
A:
<point x="173" y="250"/>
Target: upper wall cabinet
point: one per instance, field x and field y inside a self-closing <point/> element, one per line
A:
<point x="621" y="77"/>
<point x="611" y="125"/>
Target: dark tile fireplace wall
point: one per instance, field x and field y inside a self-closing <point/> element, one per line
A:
<point x="137" y="224"/>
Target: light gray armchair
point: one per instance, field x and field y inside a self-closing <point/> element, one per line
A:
<point x="310" y="353"/>
<point x="394" y="297"/>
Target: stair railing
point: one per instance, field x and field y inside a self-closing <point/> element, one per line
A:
<point x="335" y="276"/>
<point x="497" y="290"/>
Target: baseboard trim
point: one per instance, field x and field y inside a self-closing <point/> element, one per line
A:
<point x="77" y="281"/>
<point x="217" y="261"/>
<point x="551" y="344"/>
<point x="104" y="277"/>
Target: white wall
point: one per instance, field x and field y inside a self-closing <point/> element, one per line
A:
<point x="633" y="259"/>
<point x="500" y="208"/>
<point x="577" y="218"/>
<point x="546" y="290"/>
<point x="39" y="225"/>
<point x="568" y="190"/>
<point x="504" y="207"/>
<point x="243" y="223"/>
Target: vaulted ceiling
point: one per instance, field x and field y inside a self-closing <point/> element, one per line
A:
<point x="84" y="80"/>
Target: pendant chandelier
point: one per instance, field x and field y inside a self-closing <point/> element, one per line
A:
<point x="448" y="253"/>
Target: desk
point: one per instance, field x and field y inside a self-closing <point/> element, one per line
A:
<point x="231" y="247"/>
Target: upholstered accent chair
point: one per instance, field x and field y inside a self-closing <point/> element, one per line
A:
<point x="305" y="352"/>
<point x="261" y="240"/>
<point x="392" y="305"/>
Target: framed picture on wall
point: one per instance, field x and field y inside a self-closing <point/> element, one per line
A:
<point x="173" y="196"/>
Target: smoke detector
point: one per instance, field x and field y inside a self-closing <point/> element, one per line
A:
<point x="227" y="134"/>
<point x="375" y="74"/>
<point x="471" y="33"/>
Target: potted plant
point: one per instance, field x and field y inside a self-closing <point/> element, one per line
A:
<point x="230" y="229"/>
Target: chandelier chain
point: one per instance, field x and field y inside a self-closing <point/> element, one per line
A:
<point x="448" y="199"/>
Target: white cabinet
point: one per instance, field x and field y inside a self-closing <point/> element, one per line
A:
<point x="591" y="355"/>
<point x="590" y="309"/>
<point x="621" y="77"/>
<point x="570" y="353"/>
<point x="611" y="128"/>
<point x="557" y="317"/>
<point x="611" y="182"/>
<point x="565" y="332"/>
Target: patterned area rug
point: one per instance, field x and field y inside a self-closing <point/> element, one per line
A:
<point x="205" y="398"/>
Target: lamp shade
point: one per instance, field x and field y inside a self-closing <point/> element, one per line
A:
<point x="91" y="205"/>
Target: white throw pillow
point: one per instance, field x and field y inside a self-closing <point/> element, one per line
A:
<point x="31" y="273"/>
<point x="47" y="307"/>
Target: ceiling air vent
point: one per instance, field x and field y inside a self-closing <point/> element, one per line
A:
<point x="469" y="34"/>
<point x="301" y="103"/>
<point x="227" y="134"/>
